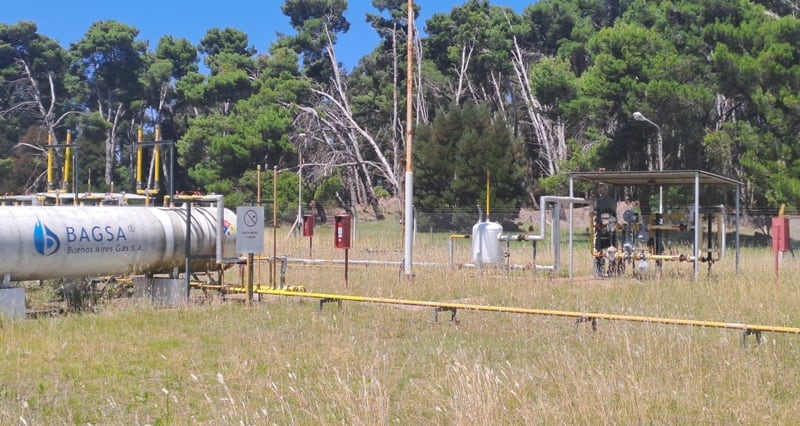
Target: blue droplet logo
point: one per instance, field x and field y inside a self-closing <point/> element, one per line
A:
<point x="45" y="240"/>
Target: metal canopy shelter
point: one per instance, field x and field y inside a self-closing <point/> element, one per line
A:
<point x="694" y="178"/>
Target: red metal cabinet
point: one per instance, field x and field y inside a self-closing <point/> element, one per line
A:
<point x="780" y="233"/>
<point x="308" y="225"/>
<point x="341" y="231"/>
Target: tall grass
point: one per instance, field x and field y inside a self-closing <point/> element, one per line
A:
<point x="285" y="361"/>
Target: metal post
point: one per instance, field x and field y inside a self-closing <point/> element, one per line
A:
<point x="188" y="247"/>
<point x="697" y="226"/>
<point x="557" y="237"/>
<point x="346" y="267"/>
<point x="571" y="225"/>
<point x="638" y="116"/>
<point x="274" y="225"/>
<point x="249" y="278"/>
<point x="171" y="173"/>
<point x="409" y="178"/>
<point x="75" y="177"/>
<point x="738" y="189"/>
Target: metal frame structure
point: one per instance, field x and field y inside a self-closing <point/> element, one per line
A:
<point x="695" y="178"/>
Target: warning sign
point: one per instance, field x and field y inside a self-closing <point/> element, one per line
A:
<point x="249" y="229"/>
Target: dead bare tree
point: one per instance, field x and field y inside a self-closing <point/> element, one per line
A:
<point x="354" y="143"/>
<point x="30" y="101"/>
<point x="549" y="133"/>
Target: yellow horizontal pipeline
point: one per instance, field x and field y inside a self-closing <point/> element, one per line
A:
<point x="528" y="311"/>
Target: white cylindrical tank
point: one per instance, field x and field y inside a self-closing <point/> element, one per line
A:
<point x="47" y="242"/>
<point x="486" y="246"/>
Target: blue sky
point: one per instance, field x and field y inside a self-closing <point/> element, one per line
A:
<point x="67" y="21"/>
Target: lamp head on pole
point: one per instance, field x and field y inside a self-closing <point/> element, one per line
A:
<point x="638" y="116"/>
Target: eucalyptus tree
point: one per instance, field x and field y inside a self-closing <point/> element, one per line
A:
<point x="108" y="63"/>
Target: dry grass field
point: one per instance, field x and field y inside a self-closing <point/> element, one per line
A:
<point x="283" y="360"/>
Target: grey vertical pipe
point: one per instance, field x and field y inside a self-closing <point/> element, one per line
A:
<point x="722" y="230"/>
<point x="189" y="247"/>
<point x="738" y="190"/>
<point x="408" y="231"/>
<point x="450" y="250"/>
<point x="697" y="225"/>
<point x="571" y="225"/>
<point x="557" y="236"/>
<point x="172" y="174"/>
<point x="220" y="227"/>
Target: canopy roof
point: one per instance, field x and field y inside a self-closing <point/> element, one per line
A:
<point x="662" y="178"/>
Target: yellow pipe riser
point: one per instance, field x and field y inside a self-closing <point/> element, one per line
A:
<point x="157" y="167"/>
<point x="50" y="160"/>
<point x="139" y="160"/>
<point x="67" y="159"/>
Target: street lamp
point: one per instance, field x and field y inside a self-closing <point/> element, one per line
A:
<point x="638" y="116"/>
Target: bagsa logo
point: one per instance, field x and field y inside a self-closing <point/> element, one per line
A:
<point x="45" y="240"/>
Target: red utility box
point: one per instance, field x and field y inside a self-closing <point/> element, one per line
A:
<point x="341" y="231"/>
<point x="308" y="225"/>
<point x="780" y="233"/>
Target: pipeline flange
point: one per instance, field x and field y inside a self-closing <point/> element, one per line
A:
<point x="452" y="311"/>
<point x="325" y="300"/>
<point x="587" y="319"/>
<point x="756" y="333"/>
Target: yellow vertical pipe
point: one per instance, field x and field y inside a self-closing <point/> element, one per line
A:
<point x="139" y="150"/>
<point x="50" y="161"/>
<point x="67" y="160"/>
<point x="157" y="155"/>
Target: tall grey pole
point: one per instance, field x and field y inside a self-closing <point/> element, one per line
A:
<point x="409" y="179"/>
<point x="638" y="116"/>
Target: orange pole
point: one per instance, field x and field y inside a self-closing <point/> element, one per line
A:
<point x="408" y="215"/>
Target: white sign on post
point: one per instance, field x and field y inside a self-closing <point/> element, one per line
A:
<point x="249" y="229"/>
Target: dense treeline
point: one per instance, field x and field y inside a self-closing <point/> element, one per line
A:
<point x="525" y="97"/>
